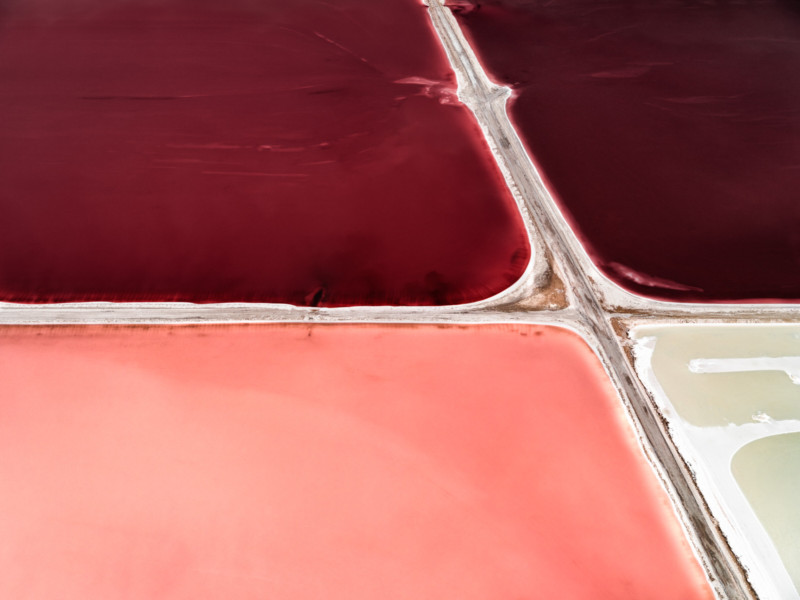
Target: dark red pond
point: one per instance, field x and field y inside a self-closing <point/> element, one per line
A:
<point x="668" y="130"/>
<point x="301" y="152"/>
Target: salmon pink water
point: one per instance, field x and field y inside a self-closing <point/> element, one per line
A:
<point x="304" y="152"/>
<point x="336" y="461"/>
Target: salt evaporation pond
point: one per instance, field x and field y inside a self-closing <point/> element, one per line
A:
<point x="731" y="397"/>
<point x="353" y="462"/>
<point x="302" y="152"/>
<point x="669" y="132"/>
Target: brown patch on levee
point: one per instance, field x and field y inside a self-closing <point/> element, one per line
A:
<point x="622" y="330"/>
<point x="552" y="295"/>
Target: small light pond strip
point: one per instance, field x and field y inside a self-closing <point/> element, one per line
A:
<point x="788" y="364"/>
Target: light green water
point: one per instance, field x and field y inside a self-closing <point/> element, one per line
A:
<point x="768" y="471"/>
<point x="707" y="399"/>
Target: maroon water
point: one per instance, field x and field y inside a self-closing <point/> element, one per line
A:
<point x="668" y="130"/>
<point x="303" y="152"/>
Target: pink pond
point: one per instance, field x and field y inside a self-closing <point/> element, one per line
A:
<point x="305" y="152"/>
<point x="353" y="462"/>
<point x="668" y="130"/>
